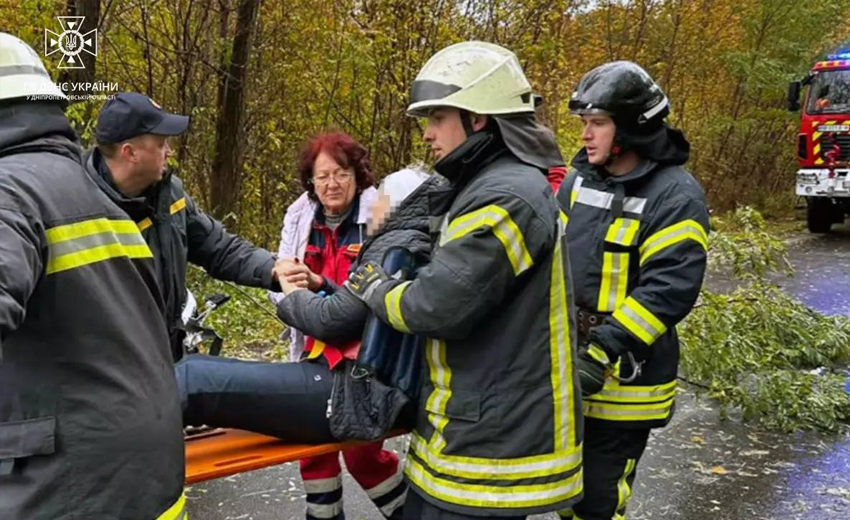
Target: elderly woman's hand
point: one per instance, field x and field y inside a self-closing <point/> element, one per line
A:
<point x="294" y="275"/>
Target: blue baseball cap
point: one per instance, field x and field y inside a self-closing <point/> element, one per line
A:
<point x="129" y="115"/>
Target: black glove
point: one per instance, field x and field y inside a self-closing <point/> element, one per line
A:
<point x="593" y="362"/>
<point x="365" y="279"/>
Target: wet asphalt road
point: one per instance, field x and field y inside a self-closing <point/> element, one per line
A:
<point x="698" y="468"/>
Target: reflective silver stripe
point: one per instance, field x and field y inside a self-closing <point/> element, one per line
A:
<point x="492" y="469"/>
<point x="396" y="503"/>
<point x="501" y="497"/>
<point x="91" y="241"/>
<point x="386" y="486"/>
<point x="630" y="317"/>
<point x="656" y="109"/>
<point x="324" y="510"/>
<point x="602" y="200"/>
<point x="601" y="409"/>
<point x="323" y="485"/>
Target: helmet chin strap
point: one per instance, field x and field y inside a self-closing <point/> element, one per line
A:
<point x="616" y="151"/>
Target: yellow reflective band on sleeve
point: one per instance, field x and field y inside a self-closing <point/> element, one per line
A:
<point x="639" y="321"/>
<point x="614" y="282"/>
<point x="76" y="245"/>
<point x="574" y="191"/>
<point x="178" y="205"/>
<point x="392" y="301"/>
<point x="672" y="235"/>
<point x="176" y="511"/>
<point x="598" y="354"/>
<point x="441" y="378"/>
<point x="479" y="468"/>
<point x="494" y="496"/>
<point x="623" y="231"/>
<point x="560" y="353"/>
<point x="615" y="392"/>
<point x="504" y="228"/>
<point x="628" y="412"/>
<point x="144" y="224"/>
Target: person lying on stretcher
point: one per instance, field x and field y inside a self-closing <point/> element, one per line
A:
<point x="292" y="401"/>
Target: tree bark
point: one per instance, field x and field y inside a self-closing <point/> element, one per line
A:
<point x="230" y="139"/>
<point x="91" y="10"/>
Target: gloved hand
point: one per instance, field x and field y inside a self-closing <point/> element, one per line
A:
<point x="593" y="363"/>
<point x="365" y="279"/>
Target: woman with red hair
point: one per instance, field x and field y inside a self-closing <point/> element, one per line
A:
<point x="321" y="237"/>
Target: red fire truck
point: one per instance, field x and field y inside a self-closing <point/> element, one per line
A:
<point x="823" y="144"/>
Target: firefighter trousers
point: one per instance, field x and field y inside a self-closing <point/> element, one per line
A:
<point x="611" y="456"/>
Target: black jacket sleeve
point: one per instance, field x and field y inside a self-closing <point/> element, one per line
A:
<point x="226" y="256"/>
<point x="23" y="262"/>
<point x="333" y="319"/>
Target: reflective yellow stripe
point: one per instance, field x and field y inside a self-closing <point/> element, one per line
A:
<point x="316" y="351"/>
<point x="560" y="353"/>
<point x="639" y="321"/>
<point x="615" y="280"/>
<point x="623" y="231"/>
<point x="627" y="412"/>
<point x="176" y="511"/>
<point x="624" y="491"/>
<point x="671" y="235"/>
<point x="504" y="228"/>
<point x="598" y="354"/>
<point x="496" y="497"/>
<point x="441" y="378"/>
<point x="178" y="205"/>
<point x="497" y="469"/>
<point x="574" y="192"/>
<point x="392" y="301"/>
<point x="615" y="392"/>
<point x="564" y="218"/>
<point x="144" y="224"/>
<point x="75" y="245"/>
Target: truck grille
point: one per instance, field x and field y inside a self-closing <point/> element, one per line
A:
<point x="843" y="142"/>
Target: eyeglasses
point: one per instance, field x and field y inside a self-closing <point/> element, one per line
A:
<point x="341" y="176"/>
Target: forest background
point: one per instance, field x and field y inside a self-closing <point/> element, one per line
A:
<point x="258" y="78"/>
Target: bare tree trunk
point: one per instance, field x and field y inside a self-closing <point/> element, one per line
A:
<point x="90" y="9"/>
<point x="230" y="142"/>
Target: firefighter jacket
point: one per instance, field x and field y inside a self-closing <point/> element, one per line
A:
<point x="637" y="247"/>
<point x="177" y="233"/>
<point x="90" y="422"/>
<point x="498" y="429"/>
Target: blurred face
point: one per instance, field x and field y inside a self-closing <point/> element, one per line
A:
<point x="148" y="155"/>
<point x="379" y="214"/>
<point x="334" y="185"/>
<point x="598" y="137"/>
<point x="444" y="131"/>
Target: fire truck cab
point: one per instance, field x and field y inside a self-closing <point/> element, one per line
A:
<point x="823" y="143"/>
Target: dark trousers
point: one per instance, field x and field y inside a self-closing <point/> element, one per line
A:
<point x="417" y="508"/>
<point x="285" y="400"/>
<point x="611" y="455"/>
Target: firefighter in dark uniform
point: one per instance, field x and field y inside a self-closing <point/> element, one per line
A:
<point x="498" y="425"/>
<point x="129" y="165"/>
<point x="637" y="227"/>
<point x="90" y="421"/>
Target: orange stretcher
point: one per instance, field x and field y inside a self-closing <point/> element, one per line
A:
<point x="223" y="452"/>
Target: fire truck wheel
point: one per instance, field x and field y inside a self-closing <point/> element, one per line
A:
<point x="820" y="214"/>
